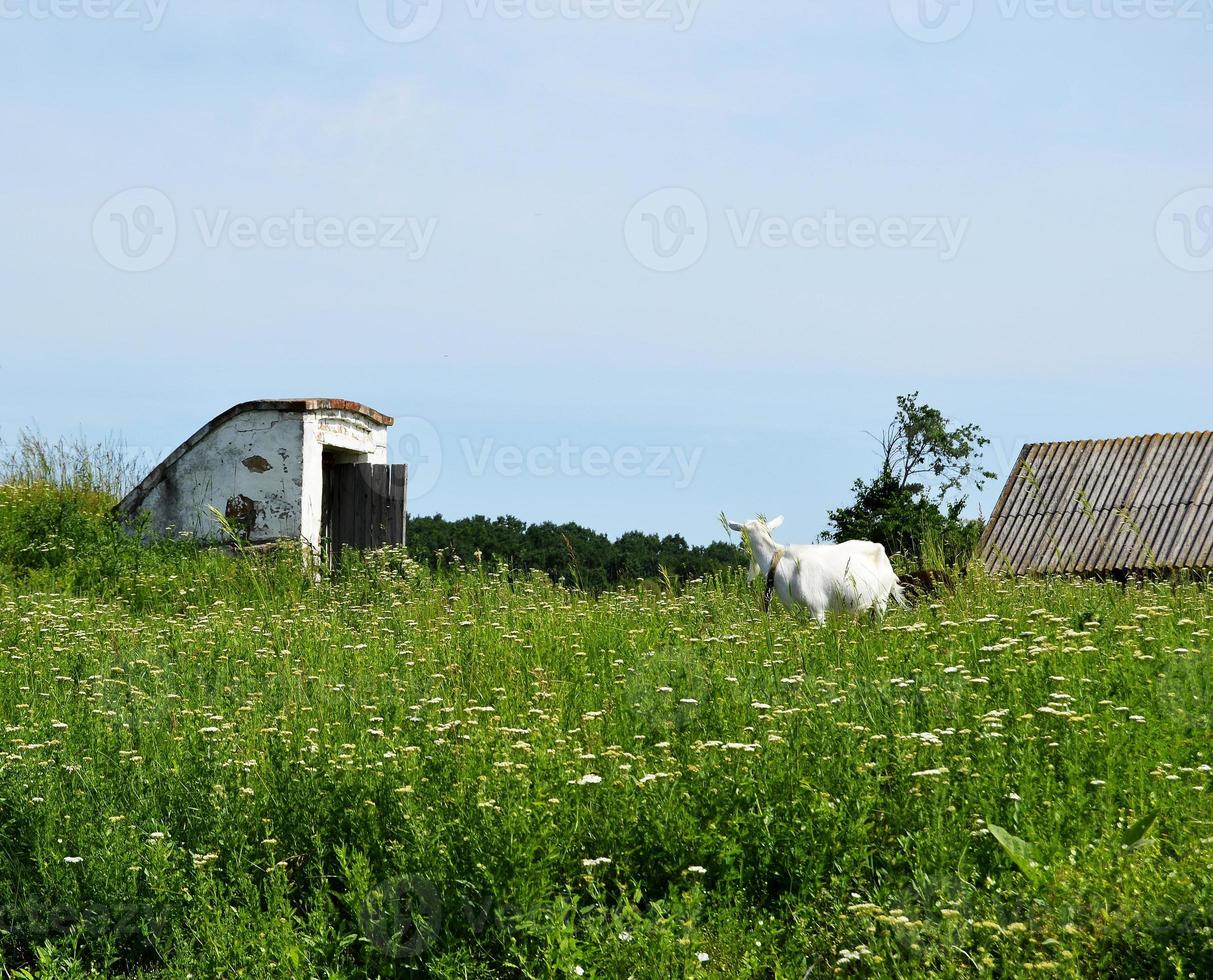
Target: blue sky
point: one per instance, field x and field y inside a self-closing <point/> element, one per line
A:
<point x="620" y="262"/>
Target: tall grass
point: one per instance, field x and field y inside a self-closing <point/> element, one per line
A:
<point x="106" y="468"/>
<point x="58" y="533"/>
<point x="462" y="774"/>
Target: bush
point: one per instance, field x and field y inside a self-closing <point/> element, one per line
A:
<point x="908" y="523"/>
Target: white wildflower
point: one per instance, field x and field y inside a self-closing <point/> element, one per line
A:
<point x="589" y="779"/>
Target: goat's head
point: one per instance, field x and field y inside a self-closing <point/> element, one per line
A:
<point x="758" y="534"/>
<point x="758" y="531"/>
<point x="759" y="524"/>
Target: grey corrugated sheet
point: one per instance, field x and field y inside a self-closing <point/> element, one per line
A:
<point x="1110" y="505"/>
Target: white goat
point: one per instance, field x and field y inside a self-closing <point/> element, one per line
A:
<point x="853" y="576"/>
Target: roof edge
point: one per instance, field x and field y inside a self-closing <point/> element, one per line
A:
<point x="307" y="405"/>
<point x="1148" y="435"/>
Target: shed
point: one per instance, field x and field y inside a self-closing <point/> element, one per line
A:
<point x="312" y="470"/>
<point x="1106" y="507"/>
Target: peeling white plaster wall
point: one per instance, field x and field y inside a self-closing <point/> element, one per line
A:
<point x="254" y="455"/>
<point x="264" y="470"/>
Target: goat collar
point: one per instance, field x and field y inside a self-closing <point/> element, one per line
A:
<point x="770" y="589"/>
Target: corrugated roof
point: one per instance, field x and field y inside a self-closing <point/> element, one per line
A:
<point x="1104" y="506"/>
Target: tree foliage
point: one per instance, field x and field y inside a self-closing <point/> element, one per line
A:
<point x="915" y="504"/>
<point x="569" y="551"/>
<point x="923" y="451"/>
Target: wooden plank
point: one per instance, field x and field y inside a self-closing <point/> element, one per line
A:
<point x="349" y="507"/>
<point x="383" y="490"/>
<point x="391" y="524"/>
<point x="340" y="512"/>
<point x="400" y="488"/>
<point x="390" y="521"/>
<point x="377" y="490"/>
<point x="360" y="525"/>
<point x="367" y="487"/>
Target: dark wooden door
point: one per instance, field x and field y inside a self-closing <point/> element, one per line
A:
<point x="363" y="506"/>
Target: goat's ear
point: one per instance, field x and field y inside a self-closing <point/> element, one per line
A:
<point x="775" y="523"/>
<point x="734" y="526"/>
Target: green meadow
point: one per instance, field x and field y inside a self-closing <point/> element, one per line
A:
<point x="216" y="765"/>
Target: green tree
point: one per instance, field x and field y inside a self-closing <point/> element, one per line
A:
<point x="569" y="551"/>
<point x="915" y="504"/>
<point x="636" y="555"/>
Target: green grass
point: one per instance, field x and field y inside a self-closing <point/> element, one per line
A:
<point x="461" y="775"/>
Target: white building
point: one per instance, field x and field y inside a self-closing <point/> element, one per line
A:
<point x="312" y="470"/>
